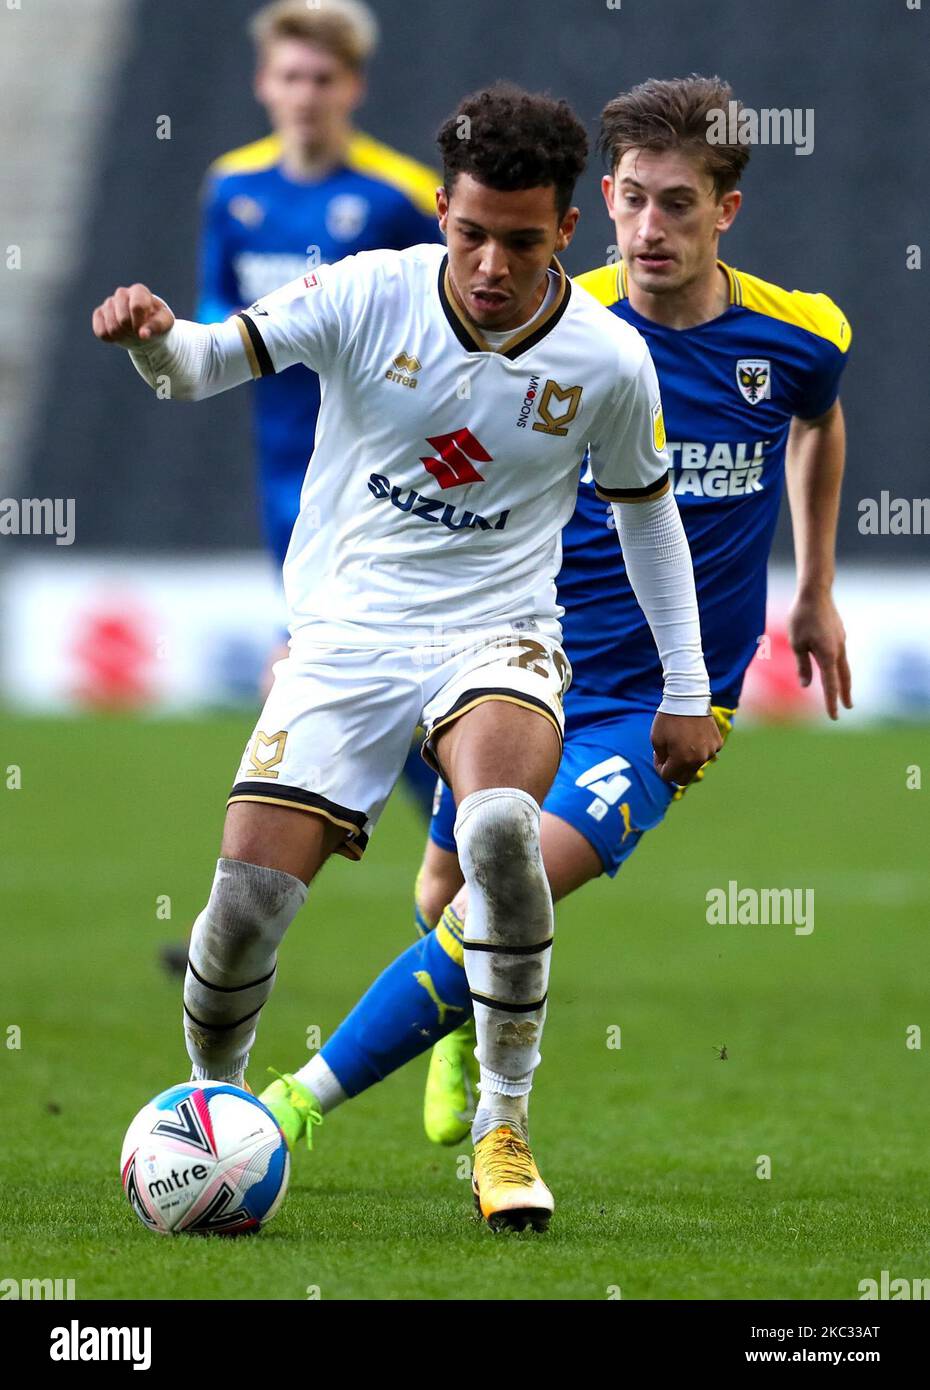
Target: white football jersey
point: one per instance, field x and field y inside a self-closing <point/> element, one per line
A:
<point x="444" y="469"/>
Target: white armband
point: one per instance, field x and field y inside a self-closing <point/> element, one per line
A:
<point x="658" y="564"/>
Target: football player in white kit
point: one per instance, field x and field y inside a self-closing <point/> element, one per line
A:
<point x="461" y="388"/>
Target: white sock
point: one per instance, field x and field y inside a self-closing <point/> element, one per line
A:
<point x="501" y="1107"/>
<point x="508" y="943"/>
<point x="231" y="963"/>
<point x="319" y="1078"/>
<point x="235" y="1078"/>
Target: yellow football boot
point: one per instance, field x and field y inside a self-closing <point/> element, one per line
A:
<point x="509" y="1193"/>
<point x="451" y="1086"/>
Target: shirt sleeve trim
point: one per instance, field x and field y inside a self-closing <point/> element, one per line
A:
<point x="649" y="493"/>
<point x="255" y="349"/>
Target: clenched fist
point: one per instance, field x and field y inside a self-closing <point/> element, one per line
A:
<point x="132" y="317"/>
<point x="682" y="744"/>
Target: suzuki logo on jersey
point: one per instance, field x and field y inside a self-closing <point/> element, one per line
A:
<point x="754" y="379"/>
<point x="456" y="451"/>
<point x="432" y="508"/>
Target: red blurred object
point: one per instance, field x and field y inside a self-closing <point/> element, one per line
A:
<point x="115" y="655"/>
<point x="772" y="690"/>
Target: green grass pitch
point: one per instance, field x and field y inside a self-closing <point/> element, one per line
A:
<point x="652" y="1149"/>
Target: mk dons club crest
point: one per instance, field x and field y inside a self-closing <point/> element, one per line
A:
<point x="754" y="379"/>
<point x="267" y="752"/>
<point x="557" y="407"/>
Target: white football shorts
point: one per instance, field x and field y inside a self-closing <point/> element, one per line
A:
<point x="338" y="722"/>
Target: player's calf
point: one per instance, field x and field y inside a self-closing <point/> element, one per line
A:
<point x="507" y="940"/>
<point x="231" y="964"/>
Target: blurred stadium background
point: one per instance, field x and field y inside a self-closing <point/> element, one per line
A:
<point x="166" y="604"/>
<point x="164" y="498"/>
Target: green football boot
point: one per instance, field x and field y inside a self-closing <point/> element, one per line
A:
<point x="451" y="1086"/>
<point x="295" y="1108"/>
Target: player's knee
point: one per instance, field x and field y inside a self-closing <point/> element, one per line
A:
<point x="249" y="909"/>
<point x="460" y="903"/>
<point x="498" y="836"/>
<point x="436" y="887"/>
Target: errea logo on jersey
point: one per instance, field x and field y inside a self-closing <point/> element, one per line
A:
<point x="402" y="370"/>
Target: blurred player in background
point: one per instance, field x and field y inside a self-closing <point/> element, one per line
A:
<point x="749" y="375"/>
<point x="313" y="191"/>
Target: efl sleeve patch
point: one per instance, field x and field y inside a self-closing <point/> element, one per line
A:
<point x="658" y="427"/>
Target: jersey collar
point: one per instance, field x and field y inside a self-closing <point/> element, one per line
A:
<point x="470" y="336"/>
<point x="736" y="289"/>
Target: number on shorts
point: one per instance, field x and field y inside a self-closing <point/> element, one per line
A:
<point x="536" y="658"/>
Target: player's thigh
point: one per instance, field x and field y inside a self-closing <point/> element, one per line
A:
<point x="498" y="744"/>
<point x="497" y="721"/>
<point x="277" y="837"/>
<point x="328" y="747"/>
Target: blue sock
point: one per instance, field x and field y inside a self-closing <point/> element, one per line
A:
<point x="416" y="1001"/>
<point x="420" y="782"/>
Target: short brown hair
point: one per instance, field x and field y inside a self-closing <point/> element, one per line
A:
<point x="674" y="114"/>
<point x="345" y="28"/>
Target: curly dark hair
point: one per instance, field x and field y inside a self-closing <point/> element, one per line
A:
<point x="508" y="138"/>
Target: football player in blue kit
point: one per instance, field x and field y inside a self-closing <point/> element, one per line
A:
<point x="312" y="192"/>
<point x="749" y="375"/>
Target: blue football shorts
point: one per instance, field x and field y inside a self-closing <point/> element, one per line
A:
<point x="606" y="787"/>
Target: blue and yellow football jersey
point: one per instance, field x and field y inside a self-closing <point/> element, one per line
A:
<point x="730" y="388"/>
<point x="262" y="228"/>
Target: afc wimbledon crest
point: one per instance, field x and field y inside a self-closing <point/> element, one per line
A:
<point x="346" y="216"/>
<point x="754" y="379"/>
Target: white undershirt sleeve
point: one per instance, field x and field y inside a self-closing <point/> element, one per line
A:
<point x="658" y="564"/>
<point x="195" y="360"/>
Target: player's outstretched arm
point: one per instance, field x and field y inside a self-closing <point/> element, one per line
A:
<point x="189" y="360"/>
<point x="814" y="474"/>
<point x="630" y="462"/>
<point x="658" y="564"/>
